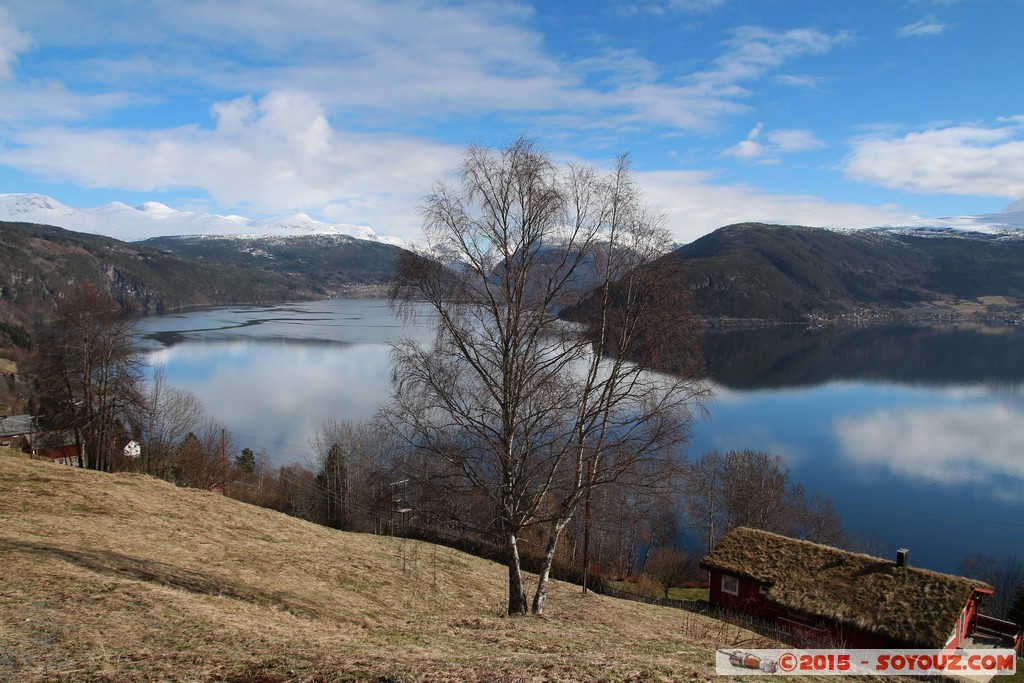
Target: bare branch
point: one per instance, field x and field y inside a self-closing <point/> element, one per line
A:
<point x="554" y="311"/>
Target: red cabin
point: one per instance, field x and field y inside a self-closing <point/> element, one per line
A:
<point x="850" y="600"/>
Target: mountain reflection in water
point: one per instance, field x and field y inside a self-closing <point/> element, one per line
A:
<point x="917" y="433"/>
<point x="788" y="356"/>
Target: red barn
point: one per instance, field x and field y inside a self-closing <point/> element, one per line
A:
<point x="848" y="599"/>
<point x="58" y="447"/>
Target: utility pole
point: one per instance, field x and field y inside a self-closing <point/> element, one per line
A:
<point x="711" y="538"/>
<point x="711" y="532"/>
<point x="395" y="502"/>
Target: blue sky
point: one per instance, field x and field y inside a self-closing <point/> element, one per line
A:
<point x="829" y="112"/>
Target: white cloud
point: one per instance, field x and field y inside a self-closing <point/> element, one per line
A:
<point x="695" y="5"/>
<point x="968" y="159"/>
<point x="51" y="101"/>
<point x="797" y="80"/>
<point x="659" y="7"/>
<point x="273" y="155"/>
<point x="280" y="154"/>
<point x="12" y="42"/>
<point x="949" y="446"/>
<point x="777" y="142"/>
<point x="404" y="65"/>
<point x="791" y="140"/>
<point x="927" y="27"/>
<point x="382" y="60"/>
<point x="707" y="96"/>
<point x="635" y="91"/>
<point x="407" y="65"/>
<point x="441" y="59"/>
<point x="696" y="205"/>
<point x="750" y="148"/>
<point x="756" y="51"/>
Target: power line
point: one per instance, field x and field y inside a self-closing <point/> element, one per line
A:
<point x="1006" y="541"/>
<point x="933" y="514"/>
<point x="282" y="448"/>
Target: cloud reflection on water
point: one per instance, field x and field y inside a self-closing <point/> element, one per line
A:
<point x="980" y="445"/>
<point x="275" y="374"/>
<point x="274" y="400"/>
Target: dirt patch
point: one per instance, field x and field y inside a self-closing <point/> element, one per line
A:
<point x="997" y="301"/>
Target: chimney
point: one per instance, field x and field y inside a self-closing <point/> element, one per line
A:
<point x="902" y="557"/>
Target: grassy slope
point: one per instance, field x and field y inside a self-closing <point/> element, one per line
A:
<point x="123" y="577"/>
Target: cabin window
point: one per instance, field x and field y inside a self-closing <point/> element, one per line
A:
<point x="730" y="584"/>
<point x="764" y="588"/>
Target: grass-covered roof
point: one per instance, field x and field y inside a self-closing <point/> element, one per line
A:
<point x="909" y="605"/>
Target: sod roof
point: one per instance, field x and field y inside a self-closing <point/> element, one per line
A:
<point x="906" y="604"/>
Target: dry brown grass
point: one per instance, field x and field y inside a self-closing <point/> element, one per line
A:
<point x="997" y="301"/>
<point x="126" y="578"/>
<point x="981" y="305"/>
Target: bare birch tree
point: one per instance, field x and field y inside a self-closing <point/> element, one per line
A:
<point x="171" y="415"/>
<point x="669" y="567"/>
<point x="754" y="489"/>
<point x="552" y="302"/>
<point x="204" y="459"/>
<point x="89" y="375"/>
<point x="1004" y="574"/>
<point x="353" y="462"/>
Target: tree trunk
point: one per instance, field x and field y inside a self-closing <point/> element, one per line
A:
<point x="79" y="449"/>
<point x="541" y="596"/>
<point x="586" y="535"/>
<point x="516" y="590"/>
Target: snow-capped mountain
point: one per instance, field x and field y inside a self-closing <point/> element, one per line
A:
<point x="153" y="219"/>
<point x="1008" y="221"/>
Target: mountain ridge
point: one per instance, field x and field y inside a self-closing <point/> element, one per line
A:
<point x="153" y="219"/>
<point x="1008" y="221"/>
<point x="753" y="272"/>
<point x="756" y="271"/>
<point x="325" y="264"/>
<point x="39" y="264"/>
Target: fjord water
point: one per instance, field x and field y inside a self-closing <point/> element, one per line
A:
<point x="917" y="434"/>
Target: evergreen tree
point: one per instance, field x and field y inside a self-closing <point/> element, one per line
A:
<point x="247" y="460"/>
<point x="1016" y="611"/>
<point x="333" y="479"/>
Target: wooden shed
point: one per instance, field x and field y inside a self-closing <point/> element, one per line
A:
<point x="850" y="599"/>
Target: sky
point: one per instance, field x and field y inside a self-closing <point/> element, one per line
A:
<point x="831" y="113"/>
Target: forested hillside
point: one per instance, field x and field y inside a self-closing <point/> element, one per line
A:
<point x="749" y="271"/>
<point x="787" y="273"/>
<point x="38" y="265"/>
<point x="326" y="264"/>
